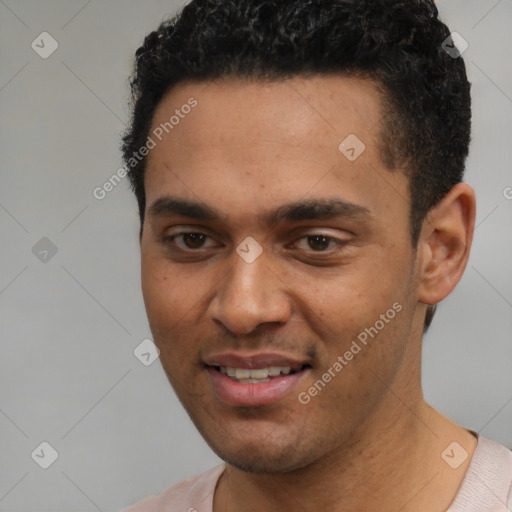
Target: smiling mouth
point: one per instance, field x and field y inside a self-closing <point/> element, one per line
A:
<point x="257" y="375"/>
<point x="247" y="382"/>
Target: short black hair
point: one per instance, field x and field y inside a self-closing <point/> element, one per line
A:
<point x="426" y="105"/>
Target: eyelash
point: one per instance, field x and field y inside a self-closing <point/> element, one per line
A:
<point x="170" y="240"/>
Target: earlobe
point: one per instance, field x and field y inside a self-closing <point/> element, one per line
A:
<point x="444" y="244"/>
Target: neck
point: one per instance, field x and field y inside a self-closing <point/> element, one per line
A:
<point x="394" y="460"/>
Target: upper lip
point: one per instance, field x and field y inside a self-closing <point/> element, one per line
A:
<point x="253" y="361"/>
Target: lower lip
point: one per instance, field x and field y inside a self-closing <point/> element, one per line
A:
<point x="252" y="395"/>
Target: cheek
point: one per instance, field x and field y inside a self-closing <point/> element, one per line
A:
<point x="174" y="299"/>
<point x="158" y="294"/>
<point x="352" y="299"/>
<point x="165" y="297"/>
<point x="166" y="290"/>
<point x="165" y="312"/>
<point x="368" y="305"/>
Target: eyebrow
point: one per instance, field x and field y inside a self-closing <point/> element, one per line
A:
<point x="311" y="209"/>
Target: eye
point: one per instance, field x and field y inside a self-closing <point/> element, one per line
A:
<point x="194" y="241"/>
<point x="319" y="243"/>
<point x="188" y="240"/>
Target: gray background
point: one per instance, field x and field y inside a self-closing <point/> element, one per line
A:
<point x="69" y="324"/>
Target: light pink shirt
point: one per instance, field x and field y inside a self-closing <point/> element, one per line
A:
<point x="487" y="486"/>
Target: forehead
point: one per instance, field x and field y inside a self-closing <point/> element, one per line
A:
<point x="249" y="145"/>
<point x="303" y="112"/>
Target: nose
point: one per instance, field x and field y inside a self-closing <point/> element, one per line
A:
<point x="250" y="294"/>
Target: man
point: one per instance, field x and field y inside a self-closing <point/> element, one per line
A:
<point x="298" y="170"/>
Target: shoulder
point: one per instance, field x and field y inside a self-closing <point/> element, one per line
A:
<point x="487" y="485"/>
<point x="192" y="495"/>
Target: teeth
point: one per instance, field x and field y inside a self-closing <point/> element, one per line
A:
<point x="242" y="373"/>
<point x="257" y="375"/>
<point x="260" y="373"/>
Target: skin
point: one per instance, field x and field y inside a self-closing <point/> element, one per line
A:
<point x="247" y="149"/>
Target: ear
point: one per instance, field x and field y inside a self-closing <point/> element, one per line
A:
<point x="444" y="244"/>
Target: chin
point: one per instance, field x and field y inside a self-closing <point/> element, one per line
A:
<point x="257" y="441"/>
<point x="263" y="457"/>
<point x="260" y="463"/>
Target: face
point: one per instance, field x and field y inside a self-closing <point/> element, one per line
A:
<point x="277" y="270"/>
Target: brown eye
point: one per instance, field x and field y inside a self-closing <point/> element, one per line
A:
<point x="188" y="241"/>
<point x="193" y="240"/>
<point x="319" y="242"/>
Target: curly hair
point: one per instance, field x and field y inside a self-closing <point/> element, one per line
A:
<point x="426" y="105"/>
<point x="425" y="93"/>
